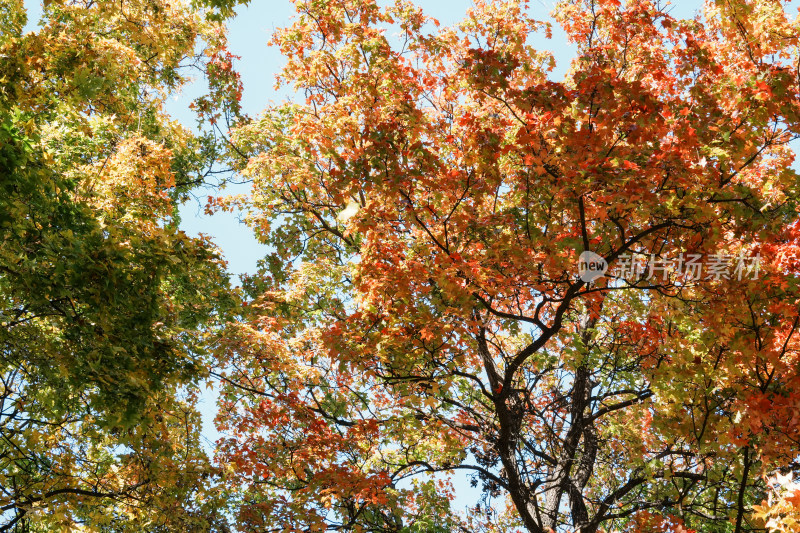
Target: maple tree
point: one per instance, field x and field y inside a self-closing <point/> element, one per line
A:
<point x="422" y="315"/>
<point x="105" y="305"/>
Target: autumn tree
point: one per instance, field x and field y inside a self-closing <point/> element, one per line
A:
<point x="427" y="198"/>
<point x="104" y="303"/>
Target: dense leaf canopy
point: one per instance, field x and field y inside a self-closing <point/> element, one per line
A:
<point x="422" y="314"/>
<point x="431" y="200"/>
<point x="104" y="302"/>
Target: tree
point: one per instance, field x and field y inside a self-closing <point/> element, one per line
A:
<point x="105" y="305"/>
<point x="422" y="313"/>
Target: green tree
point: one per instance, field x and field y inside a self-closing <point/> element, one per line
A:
<point x="104" y="303"/>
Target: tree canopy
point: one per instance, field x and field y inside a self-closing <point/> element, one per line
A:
<point x="427" y="202"/>
<point x="580" y="294"/>
<point x="104" y="302"/>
